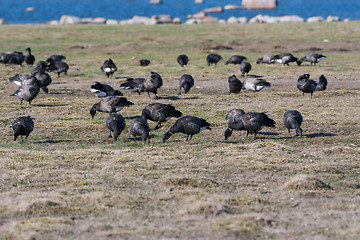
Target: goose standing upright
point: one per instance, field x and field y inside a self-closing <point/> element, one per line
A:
<point x="182" y="60"/>
<point x="186" y="82"/>
<point x="23" y="126"/>
<point x="29" y="59"/>
<point x="139" y="126"/>
<point x="109" y="67"/>
<point x="235" y="84"/>
<point x="29" y="87"/>
<point x="307" y="85"/>
<point x="44" y="78"/>
<point x="152" y="84"/>
<point x="159" y="113"/>
<point x="116" y="124"/>
<point x="293" y="120"/>
<point x="111" y="104"/>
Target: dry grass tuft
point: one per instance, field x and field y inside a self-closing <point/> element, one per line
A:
<point x="305" y="182"/>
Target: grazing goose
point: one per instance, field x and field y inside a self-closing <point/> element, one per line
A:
<point x="144" y="62"/>
<point x="307" y="85"/>
<point x="139" y="126"/>
<point x="245" y="67"/>
<point x="109" y="67"/>
<point x="188" y="125"/>
<point x="116" y="124"/>
<point x="213" y="58"/>
<point x="57" y="67"/>
<point x="104" y="90"/>
<point x="40" y="65"/>
<point x="286" y="58"/>
<point x="235" y="85"/>
<point x="29" y="87"/>
<point x="153" y="83"/>
<point x="267" y="58"/>
<point x="159" y="113"/>
<point x="56" y="58"/>
<point x="236" y="59"/>
<point x="251" y="122"/>
<point x="111" y="104"/>
<point x="182" y="60"/>
<point x="23" y="126"/>
<point x="293" y="120"/>
<point x="135" y="84"/>
<point x="29" y="59"/>
<point x="313" y="58"/>
<point x="12" y="57"/>
<point x="186" y="82"/>
<point x="44" y="78"/>
<point x="232" y="120"/>
<point x="255" y="84"/>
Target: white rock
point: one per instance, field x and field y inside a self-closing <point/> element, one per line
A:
<point x="191" y="21"/>
<point x="333" y="19"/>
<point x="346" y="20"/>
<point x="259" y="4"/>
<point x="140" y="20"/>
<point x="111" y="22"/>
<point x="291" y="18"/>
<point x="221" y="21"/>
<point x="30" y="9"/>
<point x="155" y="2"/>
<point x="54" y="22"/>
<point x="99" y="20"/>
<point x="315" y="19"/>
<point x="242" y="19"/>
<point x="232" y="20"/>
<point x="199" y="1"/>
<point x="67" y="19"/>
<point x="86" y="20"/>
<point x="233" y="7"/>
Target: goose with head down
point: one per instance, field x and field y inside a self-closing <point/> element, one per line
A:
<point x="111" y="104"/>
<point x="23" y="126"/>
<point x="307" y="85"/>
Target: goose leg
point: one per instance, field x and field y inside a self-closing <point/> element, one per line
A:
<point x="158" y="125"/>
<point x="187" y="137"/>
<point x="110" y="135"/>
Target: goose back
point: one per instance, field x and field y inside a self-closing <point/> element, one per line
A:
<point x="104" y="90"/>
<point x="116" y="124"/>
<point x="139" y="126"/>
<point x="111" y="104"/>
<point x="213" y="58"/>
<point x="109" y="67"/>
<point x="245" y="67"/>
<point x="236" y="59"/>
<point x="186" y="82"/>
<point x="255" y="84"/>
<point x="182" y="60"/>
<point x="293" y="120"/>
<point x="23" y="126"/>
<point x="234" y="84"/>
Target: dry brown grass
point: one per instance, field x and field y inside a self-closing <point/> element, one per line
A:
<point x="70" y="182"/>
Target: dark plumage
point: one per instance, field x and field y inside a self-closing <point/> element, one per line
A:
<point x="235" y="84"/>
<point x="57" y="67"/>
<point x="116" y="124"/>
<point x="135" y="84"/>
<point x="40" y="65"/>
<point x="144" y="62"/>
<point x="255" y="84"/>
<point x="293" y="120"/>
<point x="109" y="67"/>
<point x="29" y="59"/>
<point x="267" y="58"/>
<point x="111" y="104"/>
<point x="182" y="60"/>
<point x="56" y="58"/>
<point x="139" y="126"/>
<point x="285" y="58"/>
<point x="307" y="85"/>
<point x="213" y="58"/>
<point x="12" y="57"/>
<point x="188" y="125"/>
<point x="186" y="82"/>
<point x="313" y="58"/>
<point x="245" y="67"/>
<point x="29" y="87"/>
<point x="236" y="59"/>
<point x="233" y="112"/>
<point x="44" y="78"/>
<point x="152" y="84"/>
<point x="104" y="90"/>
<point x="23" y="126"/>
<point x="159" y="113"/>
<point x="251" y="122"/>
<point x="232" y="120"/>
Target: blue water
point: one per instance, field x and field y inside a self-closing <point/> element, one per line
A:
<point x="13" y="11"/>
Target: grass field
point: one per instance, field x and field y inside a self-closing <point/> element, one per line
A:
<point x="69" y="181"/>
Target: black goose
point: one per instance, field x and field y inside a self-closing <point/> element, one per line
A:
<point x="56" y="58"/>
<point x="255" y="84"/>
<point x="23" y="126"/>
<point x="135" y="84"/>
<point x="182" y="60"/>
<point x="267" y="58"/>
<point x="313" y="58"/>
<point x="245" y="67"/>
<point x="293" y="120"/>
<point x="40" y="65"/>
<point x="152" y="84"/>
<point x="188" y="125"/>
<point x="159" y="113"/>
<point x="44" y="78"/>
<point x="116" y="124"/>
<point x="104" y="90"/>
<point x="213" y="58"/>
<point x="286" y="58"/>
<point x="251" y="122"/>
<point x="109" y="67"/>
<point x="29" y="87"/>
<point x="235" y="84"/>
<point x="186" y="82"/>
<point x="57" y="67"/>
<point x="307" y="85"/>
<point x="144" y="62"/>
<point x="232" y="120"/>
<point x="29" y="59"/>
<point x="139" y="126"/>
<point x="236" y="59"/>
<point x="111" y="104"/>
<point x="12" y="57"/>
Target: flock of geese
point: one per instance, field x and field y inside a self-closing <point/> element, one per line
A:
<point x="112" y="101"/>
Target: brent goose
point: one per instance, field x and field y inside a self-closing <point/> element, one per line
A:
<point x="182" y="60"/>
<point x="144" y="84"/>
<point x="286" y="58"/>
<point x="186" y="82"/>
<point x="245" y="67"/>
<point x="213" y="58"/>
<point x="139" y="126"/>
<point x="255" y="84"/>
<point x="233" y="112"/>
<point x="267" y="58"/>
<point x="109" y="67"/>
<point x="40" y="65"/>
<point x="235" y="84"/>
<point x="57" y="67"/>
<point x="29" y="59"/>
<point x="307" y="85"/>
<point x="232" y="120"/>
<point x="313" y="58"/>
<point x="159" y="113"/>
<point x="236" y="59"/>
<point x="116" y="124"/>
<point x="12" y="57"/>
<point x="188" y="125"/>
<point x="23" y="126"/>
<point x="144" y="62"/>
<point x="44" y="78"/>
<point x="29" y="87"/>
<point x="111" y="104"/>
<point x="104" y="90"/>
<point x="56" y="58"/>
<point x="135" y="84"/>
<point x="293" y="120"/>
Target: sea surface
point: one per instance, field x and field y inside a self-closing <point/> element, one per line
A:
<point x="13" y="11"/>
